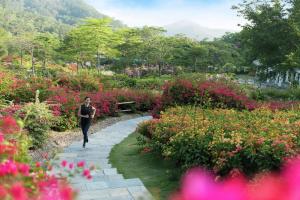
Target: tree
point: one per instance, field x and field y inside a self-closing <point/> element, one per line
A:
<point x="196" y="53"/>
<point x="95" y="37"/>
<point x="131" y="47"/>
<point x="269" y="33"/>
<point x="4" y="36"/>
<point x="47" y="45"/>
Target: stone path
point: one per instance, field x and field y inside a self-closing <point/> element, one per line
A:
<point x="106" y="184"/>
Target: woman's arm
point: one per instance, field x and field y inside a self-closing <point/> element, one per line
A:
<point x="94" y="112"/>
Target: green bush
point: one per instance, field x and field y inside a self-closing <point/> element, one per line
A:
<point x="63" y="123"/>
<point x="290" y="94"/>
<point x="223" y="140"/>
<point x="37" y="120"/>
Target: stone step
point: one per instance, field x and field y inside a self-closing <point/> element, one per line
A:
<point x="99" y="177"/>
<point x="104" y="193"/>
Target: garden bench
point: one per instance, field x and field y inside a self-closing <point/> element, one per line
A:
<point x="52" y="103"/>
<point x="123" y="106"/>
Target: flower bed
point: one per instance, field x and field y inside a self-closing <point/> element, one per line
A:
<point x="222" y="140"/>
<point x="21" y="181"/>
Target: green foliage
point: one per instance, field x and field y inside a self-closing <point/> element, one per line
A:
<point x="93" y="37"/>
<point x="269" y="94"/>
<point x="223" y="140"/>
<point x="38" y="120"/>
<point x="53" y="16"/>
<point x="64" y="123"/>
<point x="271" y="36"/>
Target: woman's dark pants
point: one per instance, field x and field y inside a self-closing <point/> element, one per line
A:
<point x="85" y="128"/>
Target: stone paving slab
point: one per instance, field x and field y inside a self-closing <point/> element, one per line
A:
<point x="106" y="184"/>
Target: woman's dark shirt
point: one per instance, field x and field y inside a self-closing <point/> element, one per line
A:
<point x="86" y="110"/>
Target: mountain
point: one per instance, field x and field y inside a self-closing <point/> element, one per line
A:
<point x="53" y="16"/>
<point x="194" y="30"/>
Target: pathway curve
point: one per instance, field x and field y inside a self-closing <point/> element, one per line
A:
<point x="106" y="184"/>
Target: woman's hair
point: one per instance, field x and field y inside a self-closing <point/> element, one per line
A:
<point x="87" y="98"/>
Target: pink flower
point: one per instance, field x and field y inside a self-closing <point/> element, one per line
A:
<point x="66" y="193"/>
<point x="8" y="125"/>
<point x="24" y="169"/>
<point x="71" y="165"/>
<point x="89" y="177"/>
<point x="1" y="137"/>
<point x="64" y="163"/>
<point x="86" y="172"/>
<point x="38" y="164"/>
<point x="3" y="192"/>
<point x="18" y="192"/>
<point x="198" y="185"/>
<point x="81" y="164"/>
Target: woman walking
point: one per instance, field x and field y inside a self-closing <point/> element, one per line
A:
<point x="86" y="113"/>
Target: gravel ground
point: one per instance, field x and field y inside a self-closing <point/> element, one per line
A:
<point x="59" y="140"/>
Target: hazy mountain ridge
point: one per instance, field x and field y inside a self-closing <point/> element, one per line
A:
<point x="194" y="30"/>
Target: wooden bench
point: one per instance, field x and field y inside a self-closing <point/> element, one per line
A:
<point x="123" y="106"/>
<point x="52" y="103"/>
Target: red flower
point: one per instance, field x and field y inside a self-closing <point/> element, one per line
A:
<point x="64" y="163"/>
<point x="1" y="137"/>
<point x="8" y="125"/>
<point x="81" y="164"/>
<point x="89" y="177"/>
<point x="18" y="192"/>
<point x="24" y="169"/>
<point x="3" y="192"/>
<point x="86" y="172"/>
<point x="71" y="166"/>
<point x="66" y="193"/>
<point x="38" y="164"/>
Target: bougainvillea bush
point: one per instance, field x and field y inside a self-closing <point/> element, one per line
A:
<point x="213" y="94"/>
<point x="66" y="102"/>
<point x="205" y="93"/>
<point x="24" y="90"/>
<point x="144" y="100"/>
<point x="199" y="184"/>
<point x="22" y="181"/>
<point x="223" y="140"/>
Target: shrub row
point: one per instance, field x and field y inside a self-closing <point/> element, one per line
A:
<point x="212" y="94"/>
<point x="65" y="93"/>
<point x="223" y="140"/>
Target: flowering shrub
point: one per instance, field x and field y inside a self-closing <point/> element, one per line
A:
<point x="223" y="96"/>
<point x="65" y="111"/>
<point x="281" y="105"/>
<point x="207" y="93"/>
<point x="144" y="100"/>
<point x="223" y="140"/>
<point x="24" y="90"/>
<point x="105" y="103"/>
<point x="80" y="82"/>
<point x="21" y="181"/>
<point x="11" y="110"/>
<point x="200" y="185"/>
<point x="37" y="120"/>
<point x="6" y="81"/>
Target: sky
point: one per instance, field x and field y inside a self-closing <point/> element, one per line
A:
<point x="215" y="14"/>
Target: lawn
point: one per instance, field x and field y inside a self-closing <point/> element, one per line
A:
<point x="161" y="177"/>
